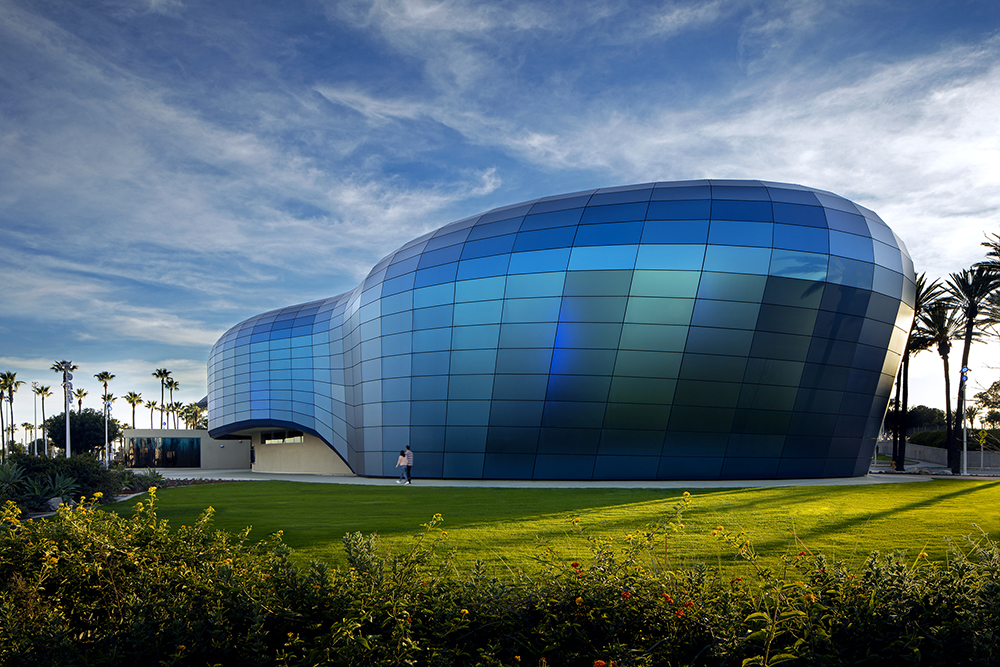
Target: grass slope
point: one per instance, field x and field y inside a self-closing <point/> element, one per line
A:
<point x="504" y="527"/>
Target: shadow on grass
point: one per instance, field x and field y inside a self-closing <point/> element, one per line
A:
<point x="314" y="517"/>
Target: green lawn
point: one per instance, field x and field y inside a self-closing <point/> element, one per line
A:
<point x="505" y="526"/>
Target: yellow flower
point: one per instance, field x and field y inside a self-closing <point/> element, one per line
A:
<point x="809" y="597"/>
<point x="686" y="494"/>
<point x="152" y="489"/>
<point x="99" y="494"/>
<point x="922" y="554"/>
<point x="465" y="611"/>
<point x="628" y="538"/>
<point x="579" y="602"/>
<point x="719" y="528"/>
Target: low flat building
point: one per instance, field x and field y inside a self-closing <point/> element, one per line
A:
<point x="184" y="448"/>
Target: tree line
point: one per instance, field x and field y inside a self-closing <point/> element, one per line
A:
<point x="87" y="426"/>
<point x="962" y="309"/>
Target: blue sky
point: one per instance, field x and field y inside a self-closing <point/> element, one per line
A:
<point x="169" y="168"/>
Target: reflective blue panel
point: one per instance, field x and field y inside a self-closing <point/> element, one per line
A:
<point x="482" y="231"/>
<point x="888" y="257"/>
<point x="483" y="267"/>
<point x="679" y="210"/>
<point x="442" y="256"/>
<point x="729" y="314"/>
<point x="539" y="334"/>
<point x="604" y="257"/>
<point x="811" y="216"/>
<point x="593" y="309"/>
<point x="539" y="261"/>
<point x="535" y="284"/>
<point x="724" y="232"/>
<point x="664" y="283"/>
<point x="735" y="259"/>
<point x="615" y="213"/>
<point x="675" y="231"/>
<point x="554" y="219"/>
<point x="690" y="190"/>
<point x="478" y="312"/>
<point x="731" y="286"/>
<point x="480" y="290"/>
<point x="795" y="237"/>
<point x="617" y="233"/>
<point x="847" y="222"/>
<point x="436" y="275"/>
<point x="688" y="257"/>
<point x="852" y="246"/>
<point x="598" y="283"/>
<point x="531" y="310"/>
<point x="742" y="191"/>
<point x="492" y="246"/>
<point x="801" y="265"/>
<point x="589" y="334"/>
<point x="560" y="237"/>
<point x="759" y="211"/>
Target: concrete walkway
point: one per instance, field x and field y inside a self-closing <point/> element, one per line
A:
<point x="247" y="475"/>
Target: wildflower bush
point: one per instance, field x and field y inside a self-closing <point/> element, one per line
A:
<point x="87" y="587"/>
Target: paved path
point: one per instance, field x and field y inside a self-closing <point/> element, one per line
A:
<point x="247" y="475"/>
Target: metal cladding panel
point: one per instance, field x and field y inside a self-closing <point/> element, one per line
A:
<point x="684" y="330"/>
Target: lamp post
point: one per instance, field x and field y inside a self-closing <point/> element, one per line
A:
<point x="34" y="426"/>
<point x="67" y="384"/>
<point x="965" y="428"/>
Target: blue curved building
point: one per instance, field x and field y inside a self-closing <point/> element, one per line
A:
<point x="685" y="330"/>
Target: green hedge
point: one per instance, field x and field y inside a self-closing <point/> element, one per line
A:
<point x="929" y="438"/>
<point x="93" y="588"/>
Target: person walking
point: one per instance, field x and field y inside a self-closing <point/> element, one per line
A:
<point x="409" y="463"/>
<point x="401" y="464"/>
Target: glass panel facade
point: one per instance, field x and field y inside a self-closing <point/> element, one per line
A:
<point x="704" y="329"/>
<point x="163" y="453"/>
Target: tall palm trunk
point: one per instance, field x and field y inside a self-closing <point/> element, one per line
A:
<point x="954" y="449"/>
<point x="904" y="412"/>
<point x="896" y="421"/>
<point x="954" y="461"/>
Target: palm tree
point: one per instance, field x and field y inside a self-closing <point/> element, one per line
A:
<point x="969" y="288"/>
<point x="162" y="374"/>
<point x="925" y="294"/>
<point x="80" y="394"/>
<point x="66" y="368"/>
<point x="172" y="384"/>
<point x="105" y="377"/>
<point x="971" y="412"/>
<point x="43" y="391"/>
<point x="941" y="323"/>
<point x="10" y="383"/>
<point x="133" y="399"/>
<point x="4" y="379"/>
<point x="152" y="405"/>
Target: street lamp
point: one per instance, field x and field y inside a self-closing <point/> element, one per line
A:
<point x="34" y="426"/>
<point x="66" y="367"/>
<point x="965" y="429"/>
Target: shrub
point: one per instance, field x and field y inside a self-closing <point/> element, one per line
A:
<point x="929" y="438"/>
<point x="42" y="478"/>
<point x="92" y="588"/>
